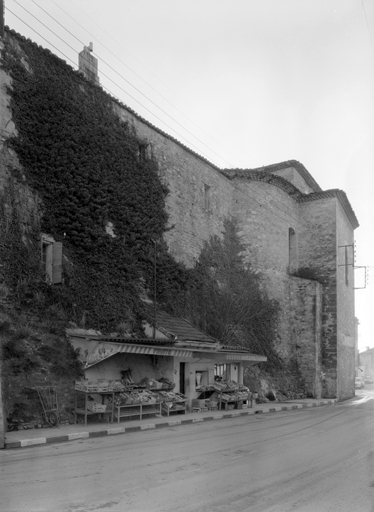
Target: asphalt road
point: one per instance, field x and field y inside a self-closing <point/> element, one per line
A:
<point x="307" y="460"/>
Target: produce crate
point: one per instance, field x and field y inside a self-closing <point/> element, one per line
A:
<point x="198" y="404"/>
<point x="212" y="405"/>
<point x="96" y="407"/>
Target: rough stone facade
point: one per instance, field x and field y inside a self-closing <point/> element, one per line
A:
<point x="292" y="232"/>
<point x="296" y="235"/>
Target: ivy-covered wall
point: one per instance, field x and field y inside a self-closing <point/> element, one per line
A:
<point x="91" y="185"/>
<point x="101" y="197"/>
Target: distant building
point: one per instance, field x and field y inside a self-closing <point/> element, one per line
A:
<point x="366" y="360"/>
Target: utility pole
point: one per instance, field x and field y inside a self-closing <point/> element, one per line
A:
<point x="2" y="6"/>
<point x="154" y="289"/>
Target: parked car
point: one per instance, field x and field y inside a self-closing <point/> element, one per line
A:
<point x="359" y="383"/>
<point x="369" y="380"/>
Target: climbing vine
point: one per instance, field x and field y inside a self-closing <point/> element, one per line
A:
<point x="84" y="163"/>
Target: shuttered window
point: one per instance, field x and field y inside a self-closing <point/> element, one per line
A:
<point x="57" y="263"/>
<point x="51" y="258"/>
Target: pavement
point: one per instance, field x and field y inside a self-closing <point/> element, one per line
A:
<point x="66" y="433"/>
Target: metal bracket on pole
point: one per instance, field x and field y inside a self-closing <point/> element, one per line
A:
<point x="366" y="278"/>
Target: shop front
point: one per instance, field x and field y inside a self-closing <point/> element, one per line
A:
<point x="127" y="377"/>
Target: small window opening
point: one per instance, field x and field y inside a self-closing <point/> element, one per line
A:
<point x="142" y="152"/>
<point x="51" y="259"/>
<point x="292" y="250"/>
<point x="201" y="379"/>
<point x="206" y="197"/>
<point x="220" y="372"/>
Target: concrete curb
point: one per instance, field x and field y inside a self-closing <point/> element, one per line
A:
<point x="148" y="426"/>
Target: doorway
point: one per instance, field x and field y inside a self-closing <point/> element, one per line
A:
<point x="182" y="369"/>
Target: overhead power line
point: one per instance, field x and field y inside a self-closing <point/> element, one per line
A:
<point x="110" y="92"/>
<point x="262" y="196"/>
<point x="367" y="23"/>
<point x="136" y="74"/>
<point x="123" y="78"/>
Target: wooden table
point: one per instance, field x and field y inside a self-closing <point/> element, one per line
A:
<point x="84" y="412"/>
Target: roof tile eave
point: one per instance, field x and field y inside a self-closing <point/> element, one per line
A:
<point x="342" y="198"/>
<point x="231" y="173"/>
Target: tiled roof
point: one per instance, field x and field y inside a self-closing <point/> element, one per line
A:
<point x="340" y="195"/>
<point x="124" y="339"/>
<point x="178" y="327"/>
<point x="268" y="169"/>
<point x="234" y="348"/>
<point x="265" y="177"/>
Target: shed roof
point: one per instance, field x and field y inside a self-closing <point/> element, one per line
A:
<point x="180" y="329"/>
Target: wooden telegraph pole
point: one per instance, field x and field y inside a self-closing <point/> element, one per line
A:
<point x="2" y="6"/>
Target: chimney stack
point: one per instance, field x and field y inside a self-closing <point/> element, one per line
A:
<point x="88" y="64"/>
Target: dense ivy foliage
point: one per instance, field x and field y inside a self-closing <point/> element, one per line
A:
<point x="84" y="162"/>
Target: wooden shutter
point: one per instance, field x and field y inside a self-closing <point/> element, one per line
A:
<point x="57" y="263"/>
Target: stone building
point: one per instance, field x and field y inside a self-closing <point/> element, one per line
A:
<point x="366" y="362"/>
<point x="298" y="236"/>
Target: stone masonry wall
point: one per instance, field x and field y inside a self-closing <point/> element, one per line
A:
<point x="193" y="182"/>
<point x="291" y="175"/>
<point x="317" y="260"/>
<point x="266" y="213"/>
<point x="306" y="307"/>
<point x="345" y="307"/>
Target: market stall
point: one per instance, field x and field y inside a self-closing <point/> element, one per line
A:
<point x="160" y="375"/>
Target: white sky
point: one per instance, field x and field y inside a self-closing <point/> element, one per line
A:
<point x="245" y="83"/>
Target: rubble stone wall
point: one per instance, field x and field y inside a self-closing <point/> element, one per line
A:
<point x="306" y="303"/>
<point x="200" y="198"/>
<point x="267" y="214"/>
<point x="345" y="307"/>
<point x="317" y="260"/>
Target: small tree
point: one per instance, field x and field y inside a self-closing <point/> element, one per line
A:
<point x="226" y="298"/>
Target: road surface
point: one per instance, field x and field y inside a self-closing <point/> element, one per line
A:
<point x="306" y="460"/>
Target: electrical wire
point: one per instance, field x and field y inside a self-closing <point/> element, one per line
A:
<point x="128" y="94"/>
<point x="297" y="221"/>
<point x="367" y="23"/>
<point x="127" y="81"/>
<point x="136" y="74"/>
<point x="118" y="74"/>
<point x="261" y="204"/>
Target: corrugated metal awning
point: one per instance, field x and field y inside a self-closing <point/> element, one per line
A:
<point x="159" y="351"/>
<point x="97" y="357"/>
